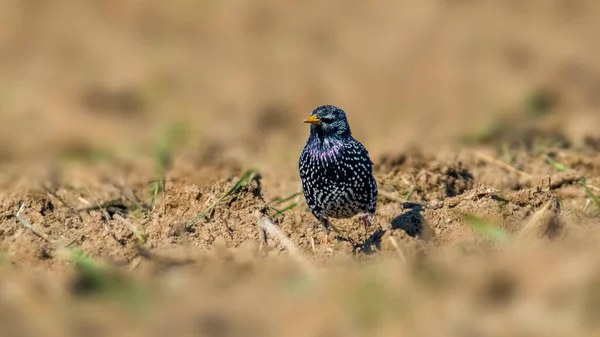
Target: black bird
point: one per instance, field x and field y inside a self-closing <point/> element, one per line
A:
<point x="336" y="171"/>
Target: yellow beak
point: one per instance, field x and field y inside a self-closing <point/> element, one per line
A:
<point x="313" y="120"/>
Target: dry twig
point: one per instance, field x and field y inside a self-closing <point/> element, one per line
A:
<point x="139" y="235"/>
<point x="267" y="225"/>
<point x="30" y="226"/>
<point x="503" y="165"/>
<point x="398" y="249"/>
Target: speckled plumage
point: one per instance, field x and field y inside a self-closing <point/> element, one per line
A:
<point x="335" y="169"/>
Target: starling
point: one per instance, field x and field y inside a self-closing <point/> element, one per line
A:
<point x="336" y="171"/>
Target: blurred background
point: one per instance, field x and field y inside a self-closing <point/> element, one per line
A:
<point x="80" y="75"/>
<point x="108" y="82"/>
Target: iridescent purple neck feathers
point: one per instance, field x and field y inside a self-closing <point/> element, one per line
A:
<point x="324" y="149"/>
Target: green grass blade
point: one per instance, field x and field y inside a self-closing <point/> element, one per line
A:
<point x="244" y="180"/>
<point x="409" y="193"/>
<point x="488" y="229"/>
<point x="590" y="194"/>
<point x="93" y="278"/>
<point x="281" y="201"/>
<point x="558" y="166"/>
<point x="173" y="136"/>
<point x="285" y="209"/>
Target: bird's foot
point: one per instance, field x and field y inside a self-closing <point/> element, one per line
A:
<point x="366" y="219"/>
<point x="367" y="222"/>
<point x="325" y="224"/>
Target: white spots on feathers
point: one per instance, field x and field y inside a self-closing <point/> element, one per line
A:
<point x="338" y="180"/>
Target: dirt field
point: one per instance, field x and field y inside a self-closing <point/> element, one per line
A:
<point x="142" y="144"/>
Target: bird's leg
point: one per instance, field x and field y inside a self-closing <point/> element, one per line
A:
<point x="325" y="224"/>
<point x="367" y="221"/>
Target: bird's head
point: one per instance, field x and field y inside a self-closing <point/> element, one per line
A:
<point x="328" y="121"/>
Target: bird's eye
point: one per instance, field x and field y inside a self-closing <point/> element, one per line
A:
<point x="326" y="120"/>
